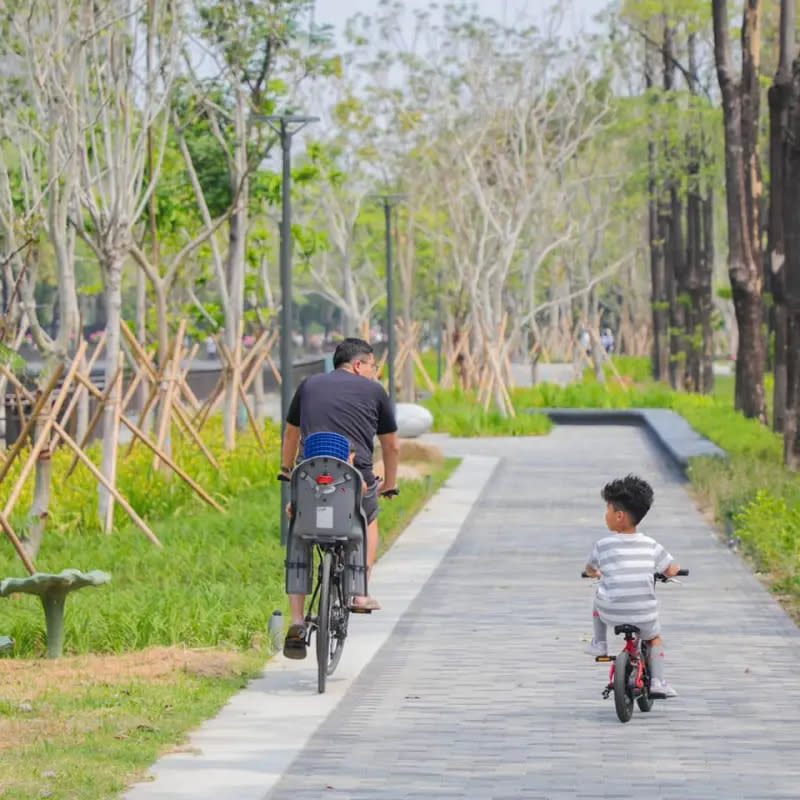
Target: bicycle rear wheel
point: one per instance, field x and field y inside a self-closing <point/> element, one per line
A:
<point x="324" y="621"/>
<point x="623" y="689"/>
<point x="338" y="624"/>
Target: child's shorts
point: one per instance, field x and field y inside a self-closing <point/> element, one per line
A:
<point x="647" y="630"/>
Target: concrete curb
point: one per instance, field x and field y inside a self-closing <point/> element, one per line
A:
<point x="667" y="428"/>
<point x="242" y="753"/>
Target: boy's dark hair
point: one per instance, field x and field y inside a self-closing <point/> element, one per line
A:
<point x="349" y="350"/>
<point x="630" y="494"/>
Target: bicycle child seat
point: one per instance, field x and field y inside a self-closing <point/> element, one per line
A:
<point x="326" y="495"/>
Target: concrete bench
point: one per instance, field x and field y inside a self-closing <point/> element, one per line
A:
<point x="669" y="429"/>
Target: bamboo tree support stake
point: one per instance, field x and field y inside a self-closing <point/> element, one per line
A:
<point x="37" y="408"/>
<point x="215" y="397"/>
<point x="254" y="369"/>
<point x="242" y="394"/>
<point x="183" y="386"/>
<point x="94" y="420"/>
<point x="166" y="403"/>
<point x="136" y="431"/>
<point x="427" y="378"/>
<point x="20" y="408"/>
<point x="72" y="444"/>
<point x="250" y="417"/>
<point x="76" y="395"/>
<point x="176" y="408"/>
<point x="9" y="531"/>
<point x="44" y="436"/>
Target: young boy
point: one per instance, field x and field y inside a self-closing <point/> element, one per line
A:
<point x="625" y="563"/>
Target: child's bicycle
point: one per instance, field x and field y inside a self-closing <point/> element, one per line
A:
<point x="629" y="676"/>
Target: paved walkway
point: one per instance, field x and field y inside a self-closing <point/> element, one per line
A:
<point x="482" y="690"/>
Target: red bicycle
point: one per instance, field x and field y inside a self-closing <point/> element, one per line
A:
<point x="629" y="676"/>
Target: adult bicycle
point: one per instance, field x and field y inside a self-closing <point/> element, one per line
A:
<point x="328" y="528"/>
<point x="629" y="675"/>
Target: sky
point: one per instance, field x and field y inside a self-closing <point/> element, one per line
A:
<point x="335" y="12"/>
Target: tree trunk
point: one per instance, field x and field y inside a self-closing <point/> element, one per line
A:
<point x="693" y="330"/>
<point x="779" y="97"/>
<point x="43" y="478"/>
<point x="658" y="289"/>
<point x="235" y="266"/>
<point x="740" y="115"/>
<point x="676" y="269"/>
<point x="707" y="296"/>
<point x="670" y="216"/>
<point x="791" y="210"/>
<point x="113" y="293"/>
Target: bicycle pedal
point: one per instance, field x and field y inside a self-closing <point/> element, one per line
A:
<point x="605" y="659"/>
<point x="359" y="610"/>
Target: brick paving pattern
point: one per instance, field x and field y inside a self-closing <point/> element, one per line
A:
<point x="483" y="691"/>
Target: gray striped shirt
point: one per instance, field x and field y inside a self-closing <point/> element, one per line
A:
<point x="626" y="592"/>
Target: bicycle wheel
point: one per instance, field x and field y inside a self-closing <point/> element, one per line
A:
<point x="643" y="700"/>
<point x="324" y="621"/>
<point x="623" y="691"/>
<point x="338" y="626"/>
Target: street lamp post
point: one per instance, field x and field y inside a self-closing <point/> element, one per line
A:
<point x="440" y="327"/>
<point x="286" y="126"/>
<point x="389" y="201"/>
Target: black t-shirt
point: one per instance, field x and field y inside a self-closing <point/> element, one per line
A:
<point x="345" y="403"/>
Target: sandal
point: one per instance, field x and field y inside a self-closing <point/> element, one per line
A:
<point x="366" y="606"/>
<point x="294" y="645"/>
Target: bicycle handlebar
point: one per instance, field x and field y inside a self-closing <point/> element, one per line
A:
<point x="659" y="576"/>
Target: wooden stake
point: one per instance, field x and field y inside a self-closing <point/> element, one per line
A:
<point x="44" y="436"/>
<point x="37" y="408"/>
<point x="94" y="420"/>
<point x="183" y="386"/>
<point x="427" y="378"/>
<point x="109" y="486"/>
<point x="9" y="531"/>
<point x="166" y="402"/>
<point x="136" y="431"/>
<point x="76" y="395"/>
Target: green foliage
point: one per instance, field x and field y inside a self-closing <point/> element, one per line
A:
<point x="769" y="529"/>
<point x="217" y="579"/>
<point x="459" y="414"/>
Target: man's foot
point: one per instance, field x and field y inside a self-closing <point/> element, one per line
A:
<point x="294" y="645"/>
<point x="364" y="605"/>
<point x="595" y="648"/>
<point x="660" y="689"/>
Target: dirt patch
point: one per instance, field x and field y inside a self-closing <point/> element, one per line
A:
<point x="24" y="680"/>
<point x="417" y="459"/>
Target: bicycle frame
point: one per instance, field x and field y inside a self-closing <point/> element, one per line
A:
<point x="637" y="655"/>
<point x="337" y="549"/>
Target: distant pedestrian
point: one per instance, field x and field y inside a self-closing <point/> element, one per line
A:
<point x="607" y="340"/>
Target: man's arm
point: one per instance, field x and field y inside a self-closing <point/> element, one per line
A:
<point x="291" y="442"/>
<point x="390" y="449"/>
<point x="591" y="571"/>
<point x="673" y="569"/>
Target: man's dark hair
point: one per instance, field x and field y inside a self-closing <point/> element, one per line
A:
<point x="630" y="494"/>
<point x="349" y="350"/>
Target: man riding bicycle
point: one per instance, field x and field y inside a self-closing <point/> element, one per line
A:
<point x="348" y="401"/>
